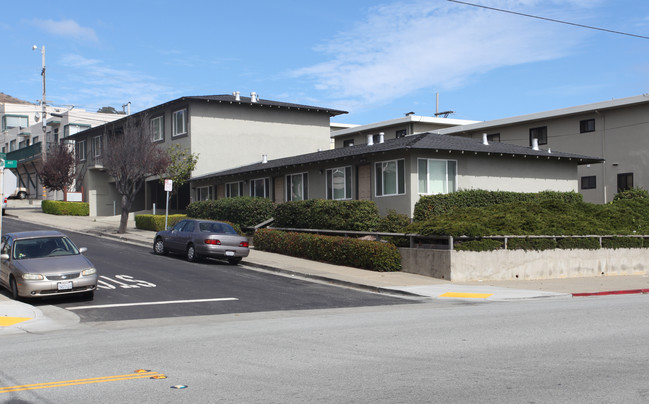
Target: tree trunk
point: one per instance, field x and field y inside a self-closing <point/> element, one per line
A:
<point x="126" y="208"/>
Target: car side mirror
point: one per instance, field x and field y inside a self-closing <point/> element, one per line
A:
<point x="4" y="256"/>
<point x="82" y="250"/>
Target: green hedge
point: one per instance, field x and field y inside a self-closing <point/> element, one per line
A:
<point x="623" y="242"/>
<point x="430" y="206"/>
<point x="531" y="244"/>
<point x="484" y="244"/>
<point x="245" y="211"/>
<point x="328" y="215"/>
<point x="371" y="255"/>
<point x="156" y="222"/>
<point x="65" y="208"/>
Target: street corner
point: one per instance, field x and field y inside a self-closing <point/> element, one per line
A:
<point x="477" y="293"/>
<point x="15" y="314"/>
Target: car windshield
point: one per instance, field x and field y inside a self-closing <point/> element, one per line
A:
<point x="43" y="247"/>
<point x="220" y="228"/>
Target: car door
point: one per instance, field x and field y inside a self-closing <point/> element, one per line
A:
<point x="5" y="270"/>
<point x="185" y="235"/>
<point x="174" y="241"/>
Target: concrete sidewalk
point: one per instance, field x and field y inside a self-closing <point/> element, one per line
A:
<point x="382" y="282"/>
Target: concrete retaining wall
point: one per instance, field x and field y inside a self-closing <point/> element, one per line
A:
<point x="465" y="266"/>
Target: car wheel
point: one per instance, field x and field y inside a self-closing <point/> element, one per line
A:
<point x="192" y="255"/>
<point x="14" y="288"/>
<point x="234" y="261"/>
<point x="159" y="247"/>
<point x="22" y="195"/>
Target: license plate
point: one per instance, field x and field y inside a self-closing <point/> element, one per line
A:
<point x="229" y="253"/>
<point x="65" y="285"/>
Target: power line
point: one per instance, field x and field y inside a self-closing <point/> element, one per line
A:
<point x="550" y="19"/>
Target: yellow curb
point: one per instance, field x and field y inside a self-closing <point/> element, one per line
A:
<point x="7" y="321"/>
<point x="467" y="295"/>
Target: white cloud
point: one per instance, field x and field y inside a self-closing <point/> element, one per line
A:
<point x="67" y="28"/>
<point x="406" y="46"/>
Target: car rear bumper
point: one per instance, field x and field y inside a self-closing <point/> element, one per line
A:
<point x="221" y="251"/>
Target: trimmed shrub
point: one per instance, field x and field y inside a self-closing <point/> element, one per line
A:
<point x="585" y="243"/>
<point x="364" y="254"/>
<point x="395" y="223"/>
<point x="156" y="222"/>
<point x="430" y="206"/>
<point x="633" y="193"/>
<point x="622" y="242"/>
<point x="65" y="208"/>
<point x="328" y="215"/>
<point x="531" y="244"/>
<point x="485" y="244"/>
<point x="244" y="210"/>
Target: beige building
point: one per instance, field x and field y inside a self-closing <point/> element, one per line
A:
<point x="224" y="130"/>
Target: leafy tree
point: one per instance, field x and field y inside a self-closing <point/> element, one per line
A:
<point x="58" y="169"/>
<point x="110" y="110"/>
<point x="130" y="157"/>
<point x="181" y="165"/>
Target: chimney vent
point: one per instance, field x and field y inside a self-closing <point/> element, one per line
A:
<point x="254" y="97"/>
<point x="381" y="137"/>
<point x="264" y="158"/>
<point x="370" y="140"/>
<point x="535" y="144"/>
<point x="237" y="95"/>
<point x="484" y="139"/>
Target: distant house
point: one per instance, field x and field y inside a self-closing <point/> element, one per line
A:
<point x="396" y="172"/>
<point x="225" y="130"/>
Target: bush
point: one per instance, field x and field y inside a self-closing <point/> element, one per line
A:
<point x="531" y="244"/>
<point x="585" y="243"/>
<point x="633" y="193"/>
<point x="430" y="206"/>
<point x="328" y="215"/>
<point x="371" y="255"/>
<point x="156" y="222"/>
<point x="622" y="242"/>
<point x="65" y="208"/>
<point x="245" y="211"/>
<point x="395" y="223"/>
<point x="485" y="244"/>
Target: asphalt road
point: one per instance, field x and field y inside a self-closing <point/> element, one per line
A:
<point x="136" y="284"/>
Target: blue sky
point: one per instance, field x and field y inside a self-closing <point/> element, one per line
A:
<point x="375" y="59"/>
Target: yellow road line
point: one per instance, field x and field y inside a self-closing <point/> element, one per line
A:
<point x="7" y="321"/>
<point x="467" y="295"/>
<point x="64" y="383"/>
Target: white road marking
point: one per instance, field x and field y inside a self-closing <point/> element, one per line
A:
<point x="106" y="306"/>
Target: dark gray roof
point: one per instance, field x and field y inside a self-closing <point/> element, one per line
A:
<point x="231" y="99"/>
<point x="421" y="141"/>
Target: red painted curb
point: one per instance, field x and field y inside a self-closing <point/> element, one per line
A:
<point x="612" y="292"/>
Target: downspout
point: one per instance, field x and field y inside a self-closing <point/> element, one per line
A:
<point x="604" y="156"/>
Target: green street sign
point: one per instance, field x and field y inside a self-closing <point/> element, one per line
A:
<point x="3" y="156"/>
<point x="11" y="164"/>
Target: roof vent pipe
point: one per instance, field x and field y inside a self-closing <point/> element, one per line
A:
<point x="381" y="137"/>
<point x="237" y="95"/>
<point x="484" y="139"/>
<point x="535" y="144"/>
<point x="370" y="140"/>
<point x="264" y="158"/>
<point x="253" y="97"/>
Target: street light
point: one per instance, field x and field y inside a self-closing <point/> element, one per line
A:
<point x="43" y="114"/>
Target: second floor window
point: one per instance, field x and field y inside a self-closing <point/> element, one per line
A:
<point x="179" y="122"/>
<point x="14" y="121"/>
<point x="339" y="183"/>
<point x="539" y="133"/>
<point x="71" y="129"/>
<point x="96" y="146"/>
<point x="587" y="125"/>
<point x="157" y="129"/>
<point x="80" y="148"/>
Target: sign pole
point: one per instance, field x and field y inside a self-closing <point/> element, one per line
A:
<point x="2" y="190"/>
<point x="168" y="187"/>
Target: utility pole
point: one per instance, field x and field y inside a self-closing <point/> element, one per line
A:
<point x="43" y="115"/>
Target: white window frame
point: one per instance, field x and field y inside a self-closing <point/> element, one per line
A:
<point x="12" y="145"/>
<point x="157" y="128"/>
<point x="81" y="149"/>
<point x="79" y="127"/>
<point x="265" y="182"/>
<point x="204" y="193"/>
<point x="96" y="146"/>
<point x="448" y="168"/>
<point x="347" y="183"/>
<point x="304" y="186"/>
<point x="22" y="119"/>
<point x="230" y="186"/>
<point x="174" y="122"/>
<point x="400" y="176"/>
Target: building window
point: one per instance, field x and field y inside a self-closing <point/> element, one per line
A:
<point x="390" y="178"/>
<point x="260" y="188"/>
<point x="624" y="181"/>
<point x="35" y="140"/>
<point x="96" y="146"/>
<point x="400" y="133"/>
<point x="587" y="125"/>
<point x="179" y="122"/>
<point x="437" y="176"/>
<point x="539" y="133"/>
<point x="12" y="145"/>
<point x="14" y="121"/>
<point x="493" y="138"/>
<point x="339" y="183"/>
<point x="234" y="189"/>
<point x="71" y="129"/>
<point x="157" y="129"/>
<point x="204" y="193"/>
<point x="297" y="188"/>
<point x="348" y="142"/>
<point x="80" y="148"/>
<point x="589" y="182"/>
<point x="23" y="144"/>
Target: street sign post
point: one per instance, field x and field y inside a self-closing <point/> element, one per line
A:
<point x="169" y="186"/>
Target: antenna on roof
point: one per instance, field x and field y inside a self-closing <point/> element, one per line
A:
<point x="444" y="113"/>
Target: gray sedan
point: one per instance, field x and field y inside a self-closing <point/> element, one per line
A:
<point x="202" y="238"/>
<point x="45" y="263"/>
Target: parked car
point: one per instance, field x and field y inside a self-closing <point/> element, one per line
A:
<point x="45" y="263"/>
<point x="202" y="238"/>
